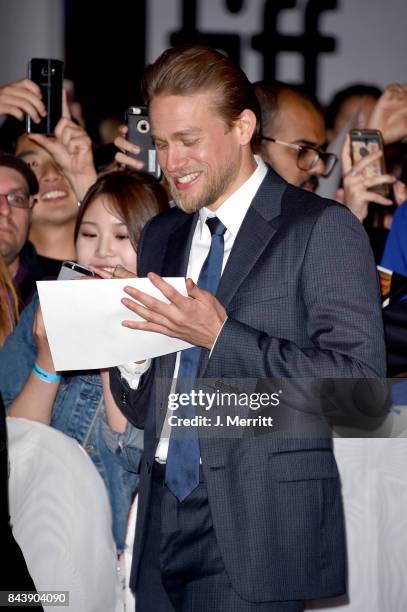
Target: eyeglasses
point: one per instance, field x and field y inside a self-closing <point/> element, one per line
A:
<point x="308" y="157"/>
<point x="18" y="199"/>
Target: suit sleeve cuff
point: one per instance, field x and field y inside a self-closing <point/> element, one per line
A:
<point x="216" y="339"/>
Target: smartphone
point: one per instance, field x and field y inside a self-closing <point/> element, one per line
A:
<point x="48" y="74"/>
<point x="364" y="142"/>
<point x="139" y="133"/>
<point x="71" y="271"/>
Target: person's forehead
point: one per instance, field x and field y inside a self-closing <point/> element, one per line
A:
<point x="26" y="147"/>
<point x="173" y="112"/>
<point x="298" y="120"/>
<point x="11" y="179"/>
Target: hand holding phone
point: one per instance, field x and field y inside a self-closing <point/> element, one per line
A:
<point x="48" y="75"/>
<point x="358" y="194"/>
<point x="22" y="98"/>
<point x="364" y="143"/>
<point x="71" y="271"/>
<point x="139" y="133"/>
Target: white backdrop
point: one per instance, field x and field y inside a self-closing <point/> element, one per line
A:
<point x="374" y="486"/>
<point x="370" y="38"/>
<point x="29" y="28"/>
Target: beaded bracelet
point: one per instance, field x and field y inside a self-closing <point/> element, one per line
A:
<point x="45" y="376"/>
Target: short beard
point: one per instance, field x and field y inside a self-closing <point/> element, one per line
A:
<point x="218" y="186"/>
<point x="8" y="253"/>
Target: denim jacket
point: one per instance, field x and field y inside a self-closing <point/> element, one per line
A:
<point x="79" y="412"/>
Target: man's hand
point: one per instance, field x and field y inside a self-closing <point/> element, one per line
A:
<point x="356" y="186"/>
<point x="197" y="319"/>
<point x="126" y="147"/>
<point x="389" y="114"/>
<point x="71" y="149"/>
<point x="22" y="97"/>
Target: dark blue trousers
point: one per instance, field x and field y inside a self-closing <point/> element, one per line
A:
<point x="181" y="568"/>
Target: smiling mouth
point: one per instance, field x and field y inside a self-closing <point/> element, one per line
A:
<point x="54" y="195"/>
<point x="182" y="182"/>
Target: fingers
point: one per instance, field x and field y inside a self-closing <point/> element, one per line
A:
<point x="112" y="272"/>
<point x="345" y="156"/>
<point x="382" y="179"/>
<point x="22" y="97"/>
<point x="190" y="285"/>
<point x="365" y="162"/>
<point x="195" y="292"/>
<point x="121" y="143"/>
<point x="172" y="295"/>
<point x="147" y="314"/>
<point x="400" y="192"/>
<point x="66" y="130"/>
<point x="372" y="196"/>
<point x="145" y="300"/>
<point x="48" y="143"/>
<point x="66" y="114"/>
<point x="122" y="158"/>
<point x="127" y="150"/>
<point x="147" y="326"/>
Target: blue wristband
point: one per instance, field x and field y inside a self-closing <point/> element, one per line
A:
<point x="45" y="376"/>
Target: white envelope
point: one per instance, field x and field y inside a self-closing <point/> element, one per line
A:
<point x="83" y="323"/>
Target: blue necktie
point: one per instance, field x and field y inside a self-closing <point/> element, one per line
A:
<point x="182" y="469"/>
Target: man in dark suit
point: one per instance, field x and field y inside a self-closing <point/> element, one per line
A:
<point x="243" y="523"/>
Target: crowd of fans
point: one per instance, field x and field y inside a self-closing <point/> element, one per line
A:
<point x="57" y="203"/>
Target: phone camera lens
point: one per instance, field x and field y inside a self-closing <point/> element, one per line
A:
<point x="143" y="126"/>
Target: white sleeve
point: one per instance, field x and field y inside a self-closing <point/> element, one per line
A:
<point x="132" y="372"/>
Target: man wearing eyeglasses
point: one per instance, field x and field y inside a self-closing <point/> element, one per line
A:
<point x="18" y="186"/>
<point x="293" y="135"/>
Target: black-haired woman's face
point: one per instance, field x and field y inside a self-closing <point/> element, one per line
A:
<point x="103" y="238"/>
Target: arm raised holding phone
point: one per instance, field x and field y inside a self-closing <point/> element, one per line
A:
<point x="359" y="188"/>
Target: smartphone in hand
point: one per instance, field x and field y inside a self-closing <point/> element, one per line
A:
<point x="48" y="74"/>
<point x="139" y="133"/>
<point x="70" y="270"/>
<point x="364" y="142"/>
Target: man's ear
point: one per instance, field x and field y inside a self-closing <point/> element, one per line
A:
<point x="246" y="124"/>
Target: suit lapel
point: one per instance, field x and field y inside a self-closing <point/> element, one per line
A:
<point x="257" y="230"/>
<point x="178" y="249"/>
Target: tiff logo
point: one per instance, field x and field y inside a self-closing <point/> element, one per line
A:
<point x="269" y="42"/>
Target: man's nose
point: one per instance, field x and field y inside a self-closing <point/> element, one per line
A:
<point x="319" y="168"/>
<point x="174" y="159"/>
<point x="5" y="208"/>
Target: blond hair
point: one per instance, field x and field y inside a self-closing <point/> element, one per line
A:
<point x="8" y="302"/>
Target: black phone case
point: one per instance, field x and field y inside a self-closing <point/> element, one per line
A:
<point x="48" y="74"/>
<point x="139" y="133"/>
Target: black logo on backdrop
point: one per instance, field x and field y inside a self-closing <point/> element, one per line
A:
<point x="270" y="42"/>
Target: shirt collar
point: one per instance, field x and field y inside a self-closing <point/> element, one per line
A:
<point x="233" y="210"/>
